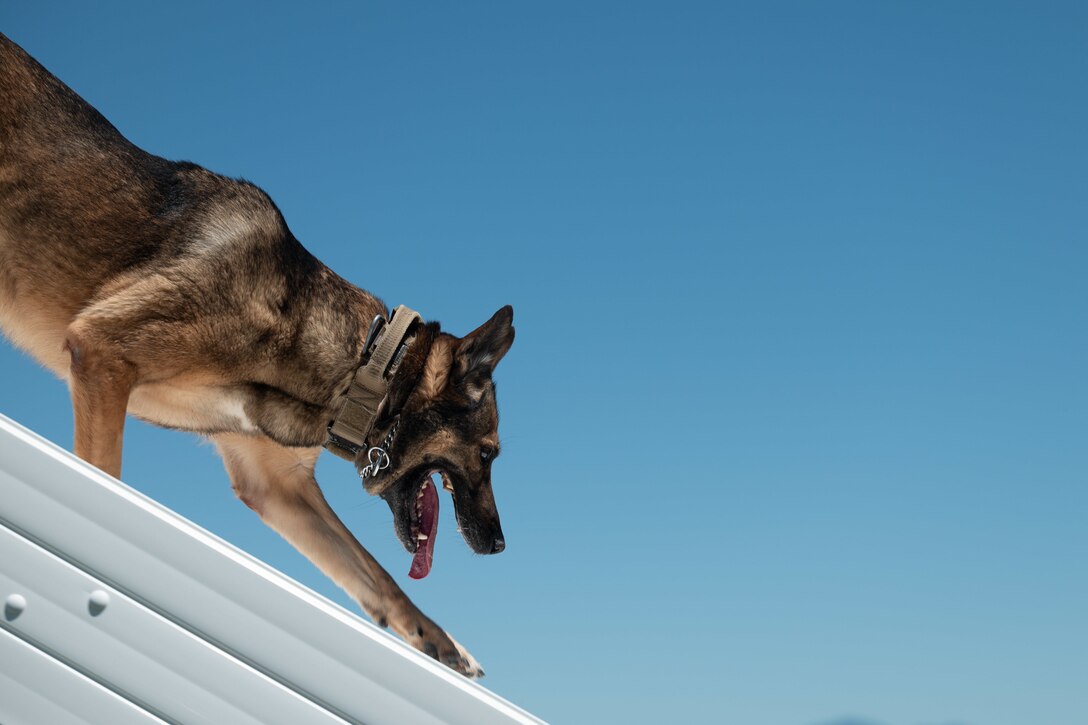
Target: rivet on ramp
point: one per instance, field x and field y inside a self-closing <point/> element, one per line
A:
<point x="97" y="602"/>
<point x="14" y="606"/>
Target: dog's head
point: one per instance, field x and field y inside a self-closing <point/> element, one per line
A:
<point x="448" y="424"/>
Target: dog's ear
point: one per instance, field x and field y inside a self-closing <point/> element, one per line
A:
<point x="436" y="370"/>
<point x="480" y="351"/>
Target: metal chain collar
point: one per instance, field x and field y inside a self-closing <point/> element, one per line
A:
<point x="378" y="455"/>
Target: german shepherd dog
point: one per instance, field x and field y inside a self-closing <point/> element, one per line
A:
<point x="162" y="290"/>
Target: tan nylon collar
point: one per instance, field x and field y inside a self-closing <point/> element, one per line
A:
<point x="366" y="396"/>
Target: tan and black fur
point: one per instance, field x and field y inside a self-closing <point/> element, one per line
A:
<point x="162" y="290"/>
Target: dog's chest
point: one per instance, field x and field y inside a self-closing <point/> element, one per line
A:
<point x="193" y="406"/>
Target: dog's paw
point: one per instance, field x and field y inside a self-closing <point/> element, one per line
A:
<point x="432" y="640"/>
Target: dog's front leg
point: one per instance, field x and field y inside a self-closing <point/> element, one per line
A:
<point x="278" y="483"/>
<point x="100" y="381"/>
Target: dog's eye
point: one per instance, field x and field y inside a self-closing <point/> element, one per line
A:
<point x="487" y="453"/>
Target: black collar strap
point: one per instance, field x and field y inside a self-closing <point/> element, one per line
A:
<point x="365" y="398"/>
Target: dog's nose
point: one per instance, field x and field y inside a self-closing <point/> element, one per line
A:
<point x="498" y="545"/>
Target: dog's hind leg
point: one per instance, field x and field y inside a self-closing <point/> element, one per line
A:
<point x="278" y="483"/>
<point x="100" y="380"/>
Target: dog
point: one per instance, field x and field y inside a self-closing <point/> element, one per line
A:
<point x="162" y="290"/>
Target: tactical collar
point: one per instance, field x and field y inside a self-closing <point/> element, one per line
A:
<point x="366" y="397"/>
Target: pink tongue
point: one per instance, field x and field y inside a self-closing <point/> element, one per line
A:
<point x="428" y="524"/>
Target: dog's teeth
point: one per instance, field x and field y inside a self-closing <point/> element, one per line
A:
<point x="421" y="536"/>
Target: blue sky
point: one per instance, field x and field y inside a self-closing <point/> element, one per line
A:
<point x="794" y="426"/>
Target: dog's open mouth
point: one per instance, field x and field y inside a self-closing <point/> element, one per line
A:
<point x="424" y="524"/>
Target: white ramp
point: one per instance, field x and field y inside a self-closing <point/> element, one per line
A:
<point x="117" y="610"/>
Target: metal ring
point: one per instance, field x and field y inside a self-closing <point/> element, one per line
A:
<point x="379" y="460"/>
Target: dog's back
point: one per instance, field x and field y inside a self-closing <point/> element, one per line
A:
<point x="69" y="181"/>
<point x="74" y="202"/>
<point x="82" y="208"/>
